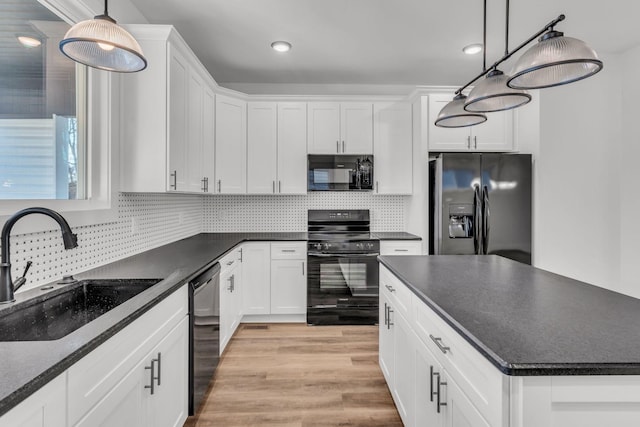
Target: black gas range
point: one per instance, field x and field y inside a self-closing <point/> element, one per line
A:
<point x="342" y="280"/>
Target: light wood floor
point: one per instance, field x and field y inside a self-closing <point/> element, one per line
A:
<point x="296" y="375"/>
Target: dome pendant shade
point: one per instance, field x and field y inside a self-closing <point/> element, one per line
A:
<point x="103" y="44"/>
<point x="453" y="115"/>
<point x="493" y="94"/>
<point x="556" y="60"/>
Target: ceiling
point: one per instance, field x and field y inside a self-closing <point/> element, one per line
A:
<point x="393" y="42"/>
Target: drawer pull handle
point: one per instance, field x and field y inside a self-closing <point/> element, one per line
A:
<point x="389" y="323"/>
<point x="386" y="314"/>
<point x="289" y="251"/>
<point x="443" y="348"/>
<point x="159" y="367"/>
<point x="438" y="393"/>
<point x="432" y="374"/>
<point x="401" y="250"/>
<point x="152" y="376"/>
<point x="390" y="288"/>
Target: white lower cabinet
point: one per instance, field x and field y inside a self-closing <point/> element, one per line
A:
<point x="427" y="373"/>
<point x="139" y="376"/>
<point x="396" y="356"/>
<point x="45" y="408"/>
<point x="275" y="281"/>
<point x="256" y="273"/>
<point x="230" y="295"/>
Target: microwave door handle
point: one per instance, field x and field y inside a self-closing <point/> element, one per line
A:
<point x="477" y="220"/>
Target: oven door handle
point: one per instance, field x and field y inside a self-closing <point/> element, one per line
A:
<point x="323" y="255"/>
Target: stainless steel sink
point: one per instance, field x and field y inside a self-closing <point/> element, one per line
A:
<point x="52" y="316"/>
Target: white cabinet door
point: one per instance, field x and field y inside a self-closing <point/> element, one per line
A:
<point x="459" y="412"/>
<point x="262" y="147"/>
<point x="323" y="133"/>
<point x="288" y="286"/>
<point x="45" y="408"/>
<point x="292" y="148"/>
<point x="496" y="134"/>
<point x="404" y="369"/>
<point x="227" y="310"/>
<point x="356" y="127"/>
<point x="445" y="139"/>
<point x="385" y="338"/>
<point x="393" y="148"/>
<point x="427" y="369"/>
<point x="177" y="124"/>
<point x="126" y="404"/>
<point x="194" y="143"/>
<point x="169" y="403"/>
<point x="208" y="139"/>
<point x="231" y="145"/>
<point x="256" y="278"/>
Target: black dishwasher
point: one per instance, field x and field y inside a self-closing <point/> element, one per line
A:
<point x="204" y="333"/>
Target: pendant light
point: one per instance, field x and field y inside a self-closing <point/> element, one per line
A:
<point x="453" y="115"/>
<point x="492" y="93"/>
<point x="101" y="43"/>
<point x="556" y="60"/>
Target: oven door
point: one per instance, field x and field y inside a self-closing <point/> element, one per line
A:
<point x="342" y="288"/>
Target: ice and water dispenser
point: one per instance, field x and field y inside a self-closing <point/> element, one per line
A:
<point x="460" y="220"/>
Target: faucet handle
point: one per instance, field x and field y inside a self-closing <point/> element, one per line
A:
<point x="22" y="280"/>
<point x="26" y="268"/>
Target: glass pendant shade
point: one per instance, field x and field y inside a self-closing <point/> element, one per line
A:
<point x="556" y="60"/>
<point x="493" y="94"/>
<point x="453" y="115"/>
<point x="103" y="44"/>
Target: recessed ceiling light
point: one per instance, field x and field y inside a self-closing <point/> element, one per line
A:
<point x="281" y="46"/>
<point x="27" y="41"/>
<point x="472" y="49"/>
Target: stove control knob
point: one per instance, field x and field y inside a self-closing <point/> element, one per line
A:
<point x="327" y="246"/>
<point x="318" y="246"/>
<point x="359" y="245"/>
<point x="370" y="245"/>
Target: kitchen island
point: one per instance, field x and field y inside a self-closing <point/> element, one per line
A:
<point x="496" y="342"/>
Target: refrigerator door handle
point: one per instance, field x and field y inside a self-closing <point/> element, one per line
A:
<point x="477" y="220"/>
<point x="486" y="212"/>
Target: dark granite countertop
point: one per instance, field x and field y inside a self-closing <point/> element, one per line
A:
<point x="400" y="235"/>
<point x="27" y="366"/>
<point x="524" y="320"/>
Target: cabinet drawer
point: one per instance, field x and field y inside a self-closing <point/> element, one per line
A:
<point x="231" y="259"/>
<point x="289" y="250"/>
<point x="400" y="247"/>
<point x="93" y="376"/>
<point x="397" y="293"/>
<point x="483" y="383"/>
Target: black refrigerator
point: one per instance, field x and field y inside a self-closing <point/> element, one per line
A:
<point x="480" y="204"/>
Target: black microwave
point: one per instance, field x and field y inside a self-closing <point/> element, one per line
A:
<point x="340" y="172"/>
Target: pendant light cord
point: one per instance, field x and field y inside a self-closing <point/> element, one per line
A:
<point x="106" y="12"/>
<point x="508" y="55"/>
<point x="506" y="32"/>
<point x="484" y="38"/>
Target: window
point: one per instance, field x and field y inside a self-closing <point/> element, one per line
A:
<point x="42" y="107"/>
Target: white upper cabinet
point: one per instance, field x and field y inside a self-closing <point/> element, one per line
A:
<point x="276" y="148"/>
<point x="292" y="147"/>
<point x="208" y="139"/>
<point x="496" y="134"/>
<point x="340" y="128"/>
<point x="231" y="145"/>
<point x="393" y="148"/>
<point x="262" y="147"/>
<point x="163" y="116"/>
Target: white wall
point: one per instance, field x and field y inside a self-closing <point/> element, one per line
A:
<point x="629" y="170"/>
<point x="578" y="179"/>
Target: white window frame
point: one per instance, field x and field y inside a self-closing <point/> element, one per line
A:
<point x="102" y="145"/>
